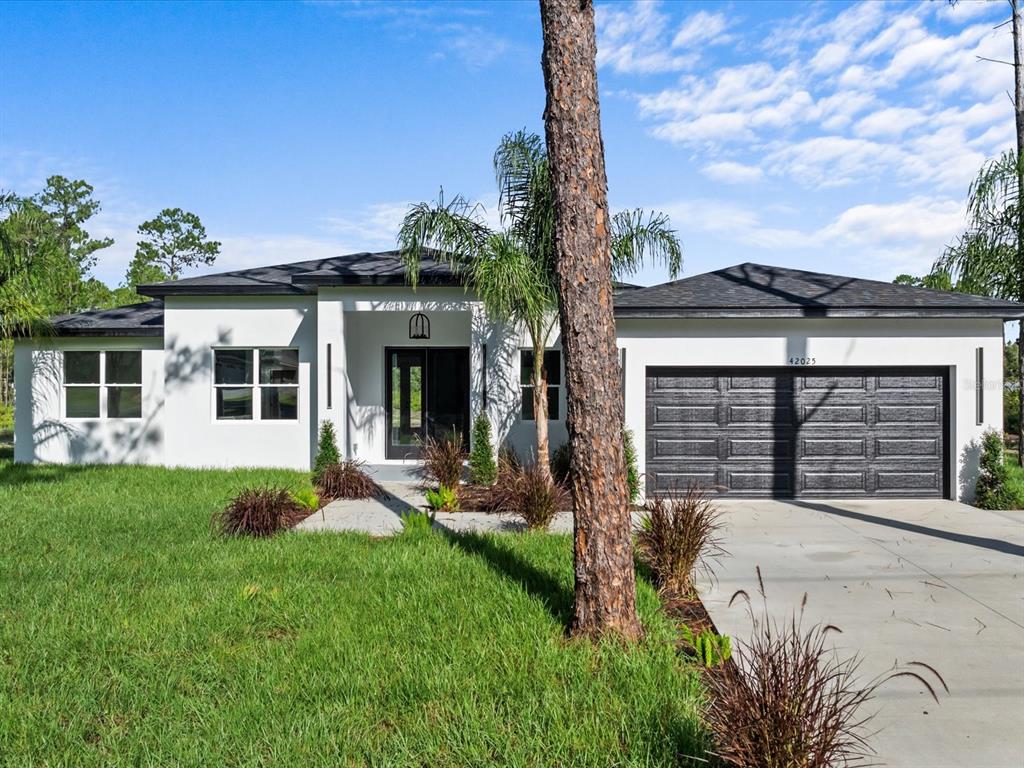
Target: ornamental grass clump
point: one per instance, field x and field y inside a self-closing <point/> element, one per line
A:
<point x="789" y="701"/>
<point x="259" y="512"/>
<point x="346" y="480"/>
<point x="526" y="492"/>
<point x="442" y="460"/>
<point x="679" y="539"/>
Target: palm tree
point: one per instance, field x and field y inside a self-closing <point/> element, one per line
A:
<point x="512" y="270"/>
<point x="988" y="259"/>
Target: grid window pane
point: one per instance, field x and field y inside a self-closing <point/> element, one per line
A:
<point x="527" y="413"/>
<point x="279" y="366"/>
<point x="234" y="402"/>
<point x="124" y="402"/>
<point x="232" y="366"/>
<point x="81" y="367"/>
<point x="552" y="366"/>
<point x="279" y="403"/>
<point x="124" y="368"/>
<point x="82" y="402"/>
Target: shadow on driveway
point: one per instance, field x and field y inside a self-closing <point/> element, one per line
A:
<point x="996" y="545"/>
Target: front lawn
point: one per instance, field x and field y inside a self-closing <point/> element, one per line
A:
<point x="130" y="635"/>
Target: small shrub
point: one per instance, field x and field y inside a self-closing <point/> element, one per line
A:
<point x="483" y="470"/>
<point x="791" y="702"/>
<point x="417" y="523"/>
<point x="442" y="460"/>
<point x="306" y="498"/>
<point x="679" y="538"/>
<point x="326" y="451"/>
<point x="991" y="491"/>
<point x="261" y="511"/>
<point x="444" y="499"/>
<point x="479" y="498"/>
<point x="527" y="493"/>
<point x="560" y="463"/>
<point x="346" y="480"/>
<point x="6" y="418"/>
<point x="710" y="649"/>
<point x="632" y="470"/>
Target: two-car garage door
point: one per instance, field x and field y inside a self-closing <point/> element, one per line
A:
<point x="810" y="432"/>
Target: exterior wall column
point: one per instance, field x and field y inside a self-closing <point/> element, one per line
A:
<point x="332" y="401"/>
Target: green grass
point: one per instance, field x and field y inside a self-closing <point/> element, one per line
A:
<point x="1016" y="483"/>
<point x="129" y="635"/>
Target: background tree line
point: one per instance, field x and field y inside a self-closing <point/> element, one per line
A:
<point x="47" y="258"/>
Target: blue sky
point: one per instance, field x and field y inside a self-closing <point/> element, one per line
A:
<point x="829" y="136"/>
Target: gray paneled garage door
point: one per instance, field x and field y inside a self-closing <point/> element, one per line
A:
<point x="812" y="432"/>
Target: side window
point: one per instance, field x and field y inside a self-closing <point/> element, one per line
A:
<point x="232" y="380"/>
<point x="260" y="384"/>
<point x="279" y="384"/>
<point x="103" y="384"/>
<point x="124" y="385"/>
<point x="553" y="368"/>
<point x="82" y="385"/>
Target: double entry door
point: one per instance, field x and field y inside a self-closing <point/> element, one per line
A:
<point x="427" y="395"/>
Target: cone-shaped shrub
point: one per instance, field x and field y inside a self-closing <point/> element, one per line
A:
<point x="991" y="491"/>
<point x="482" y="467"/>
<point x="326" y="451"/>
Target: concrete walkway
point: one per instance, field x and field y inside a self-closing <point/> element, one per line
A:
<point x="383" y="516"/>
<point x="932" y="581"/>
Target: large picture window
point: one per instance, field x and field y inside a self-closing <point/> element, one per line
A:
<point x="100" y="385"/>
<point x="256" y="384"/>
<point x="553" y="368"/>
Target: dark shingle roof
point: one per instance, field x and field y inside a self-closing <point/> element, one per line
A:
<point x="303" y="277"/>
<point x="756" y="290"/>
<point x="145" y="319"/>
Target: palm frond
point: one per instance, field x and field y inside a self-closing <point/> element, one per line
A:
<point x="507" y="281"/>
<point x="638" y="236"/>
<point x="454" y="229"/>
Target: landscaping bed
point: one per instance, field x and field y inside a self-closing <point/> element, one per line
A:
<point x="131" y="634"/>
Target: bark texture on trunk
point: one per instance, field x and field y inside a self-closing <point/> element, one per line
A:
<point x="1018" y="103"/>
<point x="605" y="594"/>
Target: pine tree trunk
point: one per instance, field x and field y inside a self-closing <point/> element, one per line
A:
<point x="605" y="599"/>
<point x="1019" y="114"/>
<point x="540" y="406"/>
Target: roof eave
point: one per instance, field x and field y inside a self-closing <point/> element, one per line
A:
<point x="830" y="312"/>
<point x="161" y="292"/>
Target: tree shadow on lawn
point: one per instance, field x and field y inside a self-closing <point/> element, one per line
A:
<point x="512" y="566"/>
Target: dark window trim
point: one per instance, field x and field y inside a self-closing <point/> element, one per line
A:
<point x="556" y="387"/>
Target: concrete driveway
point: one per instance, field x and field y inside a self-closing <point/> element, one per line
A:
<point x="932" y="581"/>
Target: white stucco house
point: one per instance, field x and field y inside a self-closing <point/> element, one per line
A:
<point x="754" y="380"/>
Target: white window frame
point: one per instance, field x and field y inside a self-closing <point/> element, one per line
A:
<point x="256" y="387"/>
<point x="102" y="385"/>
<point x="558" y="387"/>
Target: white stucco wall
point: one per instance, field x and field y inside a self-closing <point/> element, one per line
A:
<point x="178" y="427"/>
<point x="193" y="327"/>
<point x="831" y="342"/>
<point x="43" y="434"/>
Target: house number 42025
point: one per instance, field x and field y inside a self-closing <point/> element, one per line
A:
<point x="802" y="361"/>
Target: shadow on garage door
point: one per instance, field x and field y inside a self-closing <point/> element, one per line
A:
<point x="813" y="432"/>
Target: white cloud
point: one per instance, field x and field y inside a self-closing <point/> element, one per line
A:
<point x="729" y="172"/>
<point x="830" y="57"/>
<point x="375" y="225"/>
<point x="631" y="40"/>
<point x="702" y="28"/>
<point x="891" y="121"/>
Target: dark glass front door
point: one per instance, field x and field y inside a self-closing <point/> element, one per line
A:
<point x="427" y="395"/>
